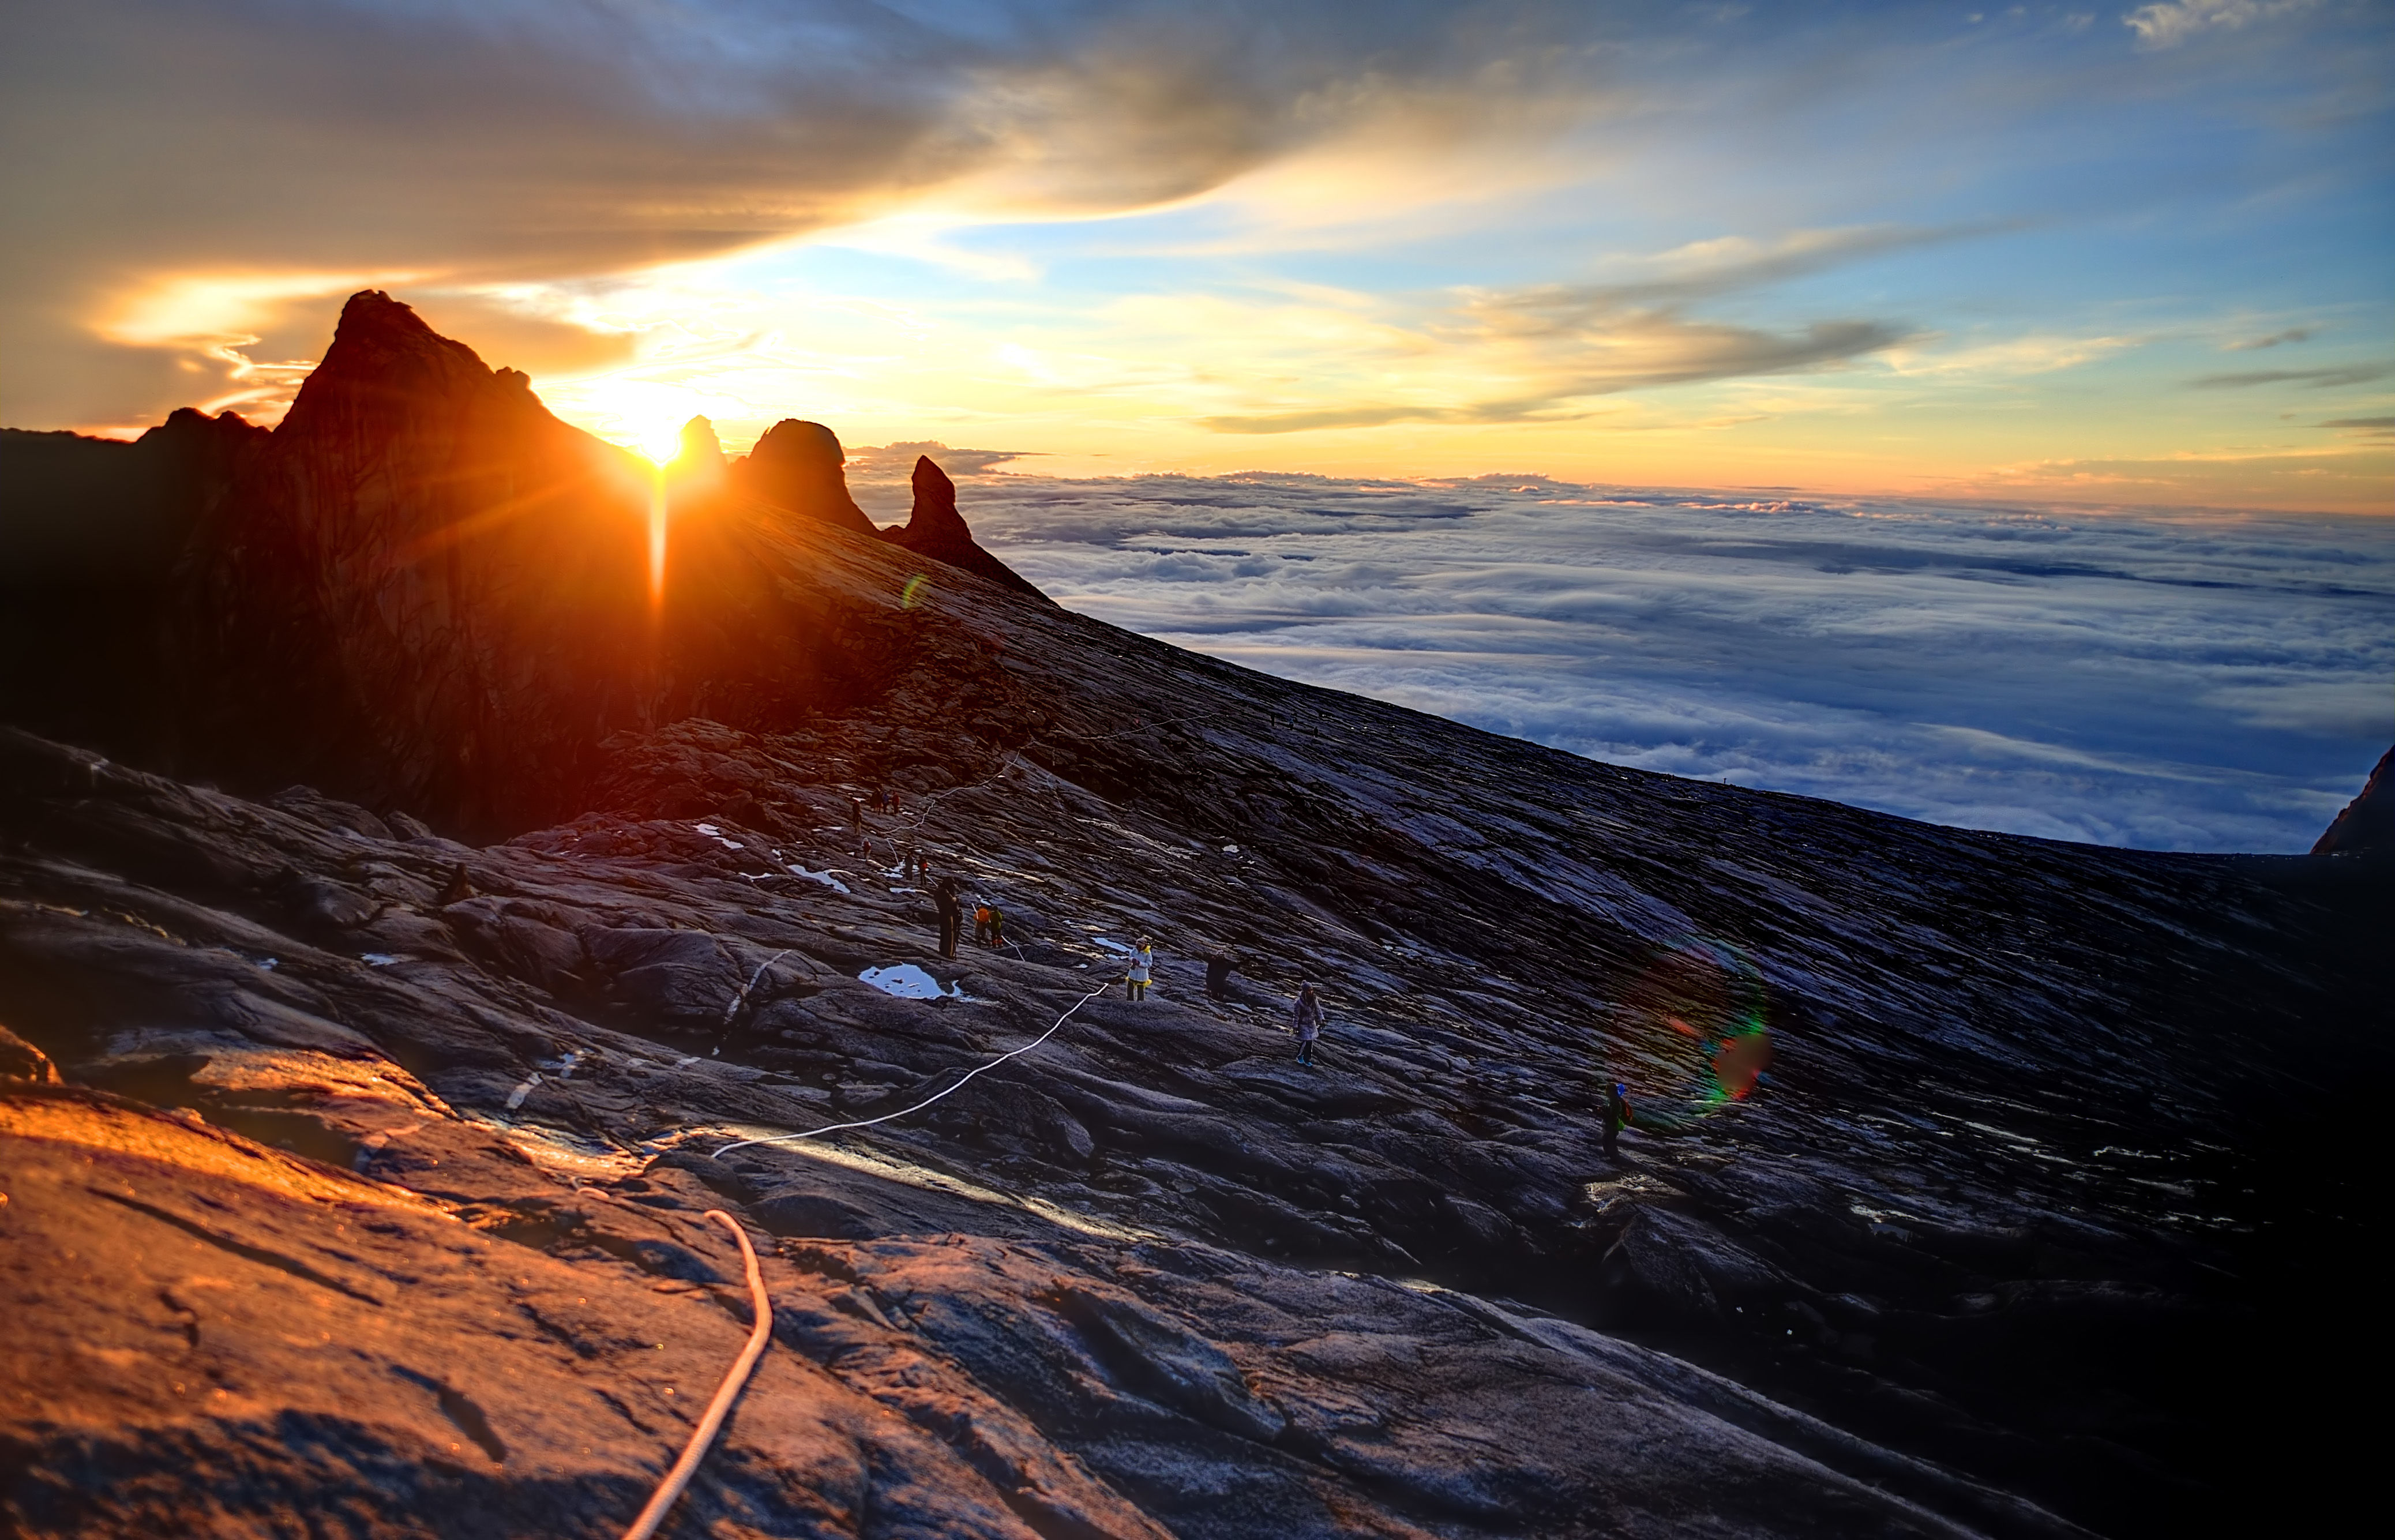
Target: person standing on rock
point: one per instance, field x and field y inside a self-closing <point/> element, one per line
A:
<point x="952" y="913"/>
<point x="990" y="926"/>
<point x="1307" y="1017"/>
<point x="1617" y="1112"/>
<point x="1218" y="973"/>
<point x="1143" y="969"/>
<point x="856" y="822"/>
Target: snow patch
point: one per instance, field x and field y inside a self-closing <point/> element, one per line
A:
<point x="909" y="982"/>
<point x="823" y="876"/>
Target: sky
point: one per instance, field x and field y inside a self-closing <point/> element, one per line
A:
<point x="2113" y="255"/>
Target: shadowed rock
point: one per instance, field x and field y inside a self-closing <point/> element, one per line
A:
<point x="935" y="529"/>
<point x="798" y="466"/>
<point x="2368" y="821"/>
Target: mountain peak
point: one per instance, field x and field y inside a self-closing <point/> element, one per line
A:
<point x="800" y="466"/>
<point x="383" y="350"/>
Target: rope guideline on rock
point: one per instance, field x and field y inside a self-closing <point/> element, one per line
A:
<point x="867" y="1123"/>
<point x="669" y="1491"/>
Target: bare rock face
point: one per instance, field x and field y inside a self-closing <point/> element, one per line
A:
<point x="90" y="534"/>
<point x="2367" y="822"/>
<point x="426" y="590"/>
<point x="373" y="1201"/>
<point x="800" y="467"/>
<point x="935" y="529"/>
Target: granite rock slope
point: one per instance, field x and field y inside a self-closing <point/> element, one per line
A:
<point x="1954" y="1204"/>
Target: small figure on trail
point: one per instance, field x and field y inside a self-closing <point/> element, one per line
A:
<point x="1307" y="1017"/>
<point x="952" y="913"/>
<point x="890" y="799"/>
<point x="990" y="926"/>
<point x="1617" y="1112"/>
<point x="1142" y="967"/>
<point x="1218" y="973"/>
<point x="856" y="822"/>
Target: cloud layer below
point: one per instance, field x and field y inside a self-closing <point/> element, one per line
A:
<point x="2173" y="682"/>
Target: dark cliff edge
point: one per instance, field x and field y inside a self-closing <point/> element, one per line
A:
<point x="2366" y="825"/>
<point x="405" y="897"/>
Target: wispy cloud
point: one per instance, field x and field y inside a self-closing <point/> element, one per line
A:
<point x="2175" y="21"/>
<point x="2359" y="373"/>
<point x="2293" y="334"/>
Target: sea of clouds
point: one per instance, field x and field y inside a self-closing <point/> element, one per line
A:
<point x="2165" y="680"/>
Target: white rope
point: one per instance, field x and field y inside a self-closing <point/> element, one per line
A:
<point x="661" y="1501"/>
<point x="867" y="1123"/>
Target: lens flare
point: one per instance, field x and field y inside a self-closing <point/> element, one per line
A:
<point x="915" y="589"/>
<point x="658" y="535"/>
<point x="1693" y="1031"/>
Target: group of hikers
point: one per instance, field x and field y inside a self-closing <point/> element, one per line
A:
<point x="1306" y="1013"/>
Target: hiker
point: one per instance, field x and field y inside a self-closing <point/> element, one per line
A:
<point x="856" y="822"/>
<point x="1217" y="974"/>
<point x="1308" y="1018"/>
<point x="952" y="913"/>
<point x="1617" y="1112"/>
<point x="1142" y="967"/>
<point x="990" y="926"/>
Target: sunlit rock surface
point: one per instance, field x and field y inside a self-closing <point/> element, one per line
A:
<point x="395" y="1084"/>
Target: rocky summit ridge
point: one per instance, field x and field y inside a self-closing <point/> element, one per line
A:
<point x="405" y="902"/>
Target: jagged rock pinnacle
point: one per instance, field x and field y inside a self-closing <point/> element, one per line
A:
<point x="935" y="529"/>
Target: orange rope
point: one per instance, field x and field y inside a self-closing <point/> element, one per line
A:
<point x="671" y="1490"/>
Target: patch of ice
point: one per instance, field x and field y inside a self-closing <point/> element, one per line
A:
<point x="266" y="964"/>
<point x="516" y="1096"/>
<point x="711" y="832"/>
<point x="909" y="982"/>
<point x="379" y="959"/>
<point x="823" y="876"/>
<point x="1112" y="946"/>
<point x="1230" y="849"/>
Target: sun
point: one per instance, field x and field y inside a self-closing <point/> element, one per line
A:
<point x="658" y="441"/>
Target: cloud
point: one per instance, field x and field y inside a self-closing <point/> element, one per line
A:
<point x="2175" y="21"/>
<point x="2199" y="682"/>
<point x="2293" y="334"/>
<point x="1602" y="354"/>
<point x="2369" y="428"/>
<point x="2318" y="378"/>
<point x="897" y="460"/>
<point x="521" y="141"/>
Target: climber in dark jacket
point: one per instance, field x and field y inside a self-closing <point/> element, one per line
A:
<point x="952" y="913"/>
<point x="1617" y="1112"/>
